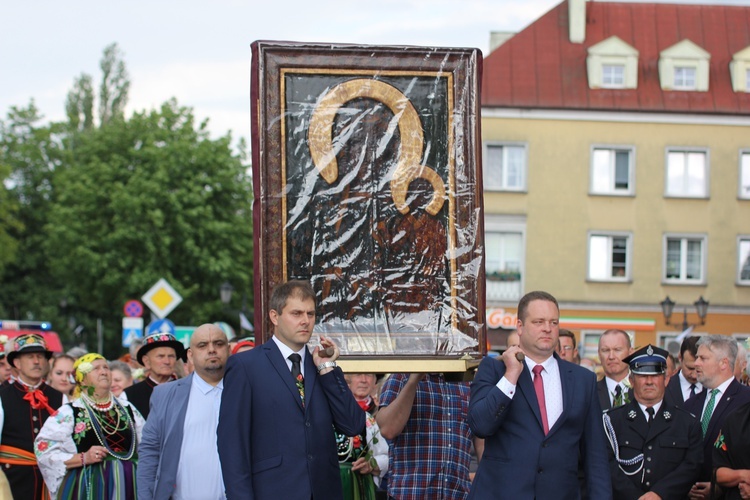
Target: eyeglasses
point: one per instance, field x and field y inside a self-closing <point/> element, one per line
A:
<point x="567" y="348"/>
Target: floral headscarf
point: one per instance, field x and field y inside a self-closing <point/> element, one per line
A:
<point x="83" y="365"/>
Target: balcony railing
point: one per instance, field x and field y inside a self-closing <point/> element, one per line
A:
<point x="503" y="290"/>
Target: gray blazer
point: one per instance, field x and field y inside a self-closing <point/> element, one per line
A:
<point x="159" y="451"/>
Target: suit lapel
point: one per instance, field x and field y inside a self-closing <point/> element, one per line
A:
<point x="568" y="386"/>
<point x="311" y="376"/>
<point x="721" y="407"/>
<point x="279" y="364"/>
<point x="527" y="389"/>
<point x="603" y="393"/>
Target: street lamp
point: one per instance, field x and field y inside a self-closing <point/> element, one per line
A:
<point x="225" y="292"/>
<point x="701" y="308"/>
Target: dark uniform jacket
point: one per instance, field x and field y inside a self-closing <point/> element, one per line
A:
<point x="139" y="395"/>
<point x="672" y="448"/>
<point x="20" y="427"/>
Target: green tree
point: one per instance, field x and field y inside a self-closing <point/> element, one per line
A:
<point x="144" y="198"/>
<point x="30" y="152"/>
<point x="113" y="91"/>
<point x="79" y="105"/>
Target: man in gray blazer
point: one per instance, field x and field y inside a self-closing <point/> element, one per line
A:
<point x="169" y="466"/>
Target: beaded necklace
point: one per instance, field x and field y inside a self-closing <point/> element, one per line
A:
<point x="101" y="426"/>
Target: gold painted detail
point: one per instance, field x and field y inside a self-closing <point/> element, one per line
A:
<point x="409" y="165"/>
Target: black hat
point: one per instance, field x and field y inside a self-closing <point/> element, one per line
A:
<point x="648" y="360"/>
<point x="31" y="342"/>
<point x="161" y="339"/>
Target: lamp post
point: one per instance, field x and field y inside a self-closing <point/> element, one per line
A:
<point x="225" y="294"/>
<point x="701" y="308"/>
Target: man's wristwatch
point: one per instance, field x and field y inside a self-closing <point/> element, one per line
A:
<point x="327" y="364"/>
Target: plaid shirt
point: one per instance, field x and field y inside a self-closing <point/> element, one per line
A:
<point x="430" y="458"/>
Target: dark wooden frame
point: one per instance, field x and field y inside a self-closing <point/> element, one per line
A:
<point x="461" y="68"/>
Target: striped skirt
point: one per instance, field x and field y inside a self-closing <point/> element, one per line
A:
<point x="111" y="479"/>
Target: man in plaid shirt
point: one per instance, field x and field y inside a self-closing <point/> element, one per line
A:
<point x="424" y="417"/>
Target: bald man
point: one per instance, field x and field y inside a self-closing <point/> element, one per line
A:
<point x="170" y="467"/>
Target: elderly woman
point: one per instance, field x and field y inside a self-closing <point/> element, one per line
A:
<point x="88" y="450"/>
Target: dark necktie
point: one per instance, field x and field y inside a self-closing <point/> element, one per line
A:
<point x="299" y="380"/>
<point x="692" y="391"/>
<point x="618" y="397"/>
<point x="650" y="411"/>
<point x="539" y="389"/>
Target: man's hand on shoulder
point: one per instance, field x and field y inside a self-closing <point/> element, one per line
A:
<point x="513" y="367"/>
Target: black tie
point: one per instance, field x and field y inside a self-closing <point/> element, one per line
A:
<point x="295" y="359"/>
<point x="650" y="411"/>
<point x="692" y="391"/>
<point x="618" y="397"/>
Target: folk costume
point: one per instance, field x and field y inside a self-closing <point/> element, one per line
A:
<point x="140" y="394"/>
<point x="369" y="444"/>
<point x="113" y="424"/>
<point x="24" y="411"/>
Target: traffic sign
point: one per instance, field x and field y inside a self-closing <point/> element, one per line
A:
<point x="183" y="334"/>
<point x="132" y="328"/>
<point x="161" y="298"/>
<point x="133" y="309"/>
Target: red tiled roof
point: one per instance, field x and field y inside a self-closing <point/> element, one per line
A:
<point x="540" y="68"/>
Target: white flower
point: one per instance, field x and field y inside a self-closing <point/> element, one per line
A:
<point x="3" y="339"/>
<point x="138" y="373"/>
<point x="85" y="368"/>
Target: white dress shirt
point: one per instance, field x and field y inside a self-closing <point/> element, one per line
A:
<point x="286" y="351"/>
<point x="552" y="387"/>
<point x="722" y="389"/>
<point x="612" y="387"/>
<point x="685" y="386"/>
<point x="199" y="471"/>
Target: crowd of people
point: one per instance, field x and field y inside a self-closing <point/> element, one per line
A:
<point x="229" y="419"/>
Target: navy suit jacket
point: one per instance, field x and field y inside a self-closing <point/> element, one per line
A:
<point x="519" y="461"/>
<point x="159" y="451"/>
<point x="272" y="447"/>
<point x="735" y="396"/>
<point x="673" y="393"/>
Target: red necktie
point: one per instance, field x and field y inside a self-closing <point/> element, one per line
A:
<point x="539" y="389"/>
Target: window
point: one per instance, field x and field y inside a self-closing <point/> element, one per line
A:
<point x="739" y="68"/>
<point x="684" y="259"/>
<point x="505" y="167"/>
<point x="612" y="64"/>
<point x="744" y="175"/>
<point x="684" y="78"/>
<point x="684" y="66"/>
<point x="687" y="174"/>
<point x="504" y="262"/>
<point x="609" y="257"/>
<point x="613" y="75"/>
<point x="743" y="260"/>
<point x="611" y="171"/>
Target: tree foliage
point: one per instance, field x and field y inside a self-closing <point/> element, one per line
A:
<point x="105" y="210"/>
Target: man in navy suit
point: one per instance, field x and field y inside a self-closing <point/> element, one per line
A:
<point x="535" y="429"/>
<point x="168" y="466"/>
<point x="714" y="367"/>
<point x="279" y="405"/>
<point x="684" y="385"/>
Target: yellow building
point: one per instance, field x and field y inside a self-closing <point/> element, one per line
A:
<point x="616" y="157"/>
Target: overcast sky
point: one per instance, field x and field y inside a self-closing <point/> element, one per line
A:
<point x="199" y="51"/>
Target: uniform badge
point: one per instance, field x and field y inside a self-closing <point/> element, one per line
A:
<point x="631" y="415"/>
<point x="667" y="415"/>
<point x="650" y="351"/>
